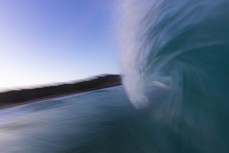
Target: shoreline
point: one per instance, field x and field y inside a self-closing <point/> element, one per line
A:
<point x="64" y="96"/>
<point x="25" y="96"/>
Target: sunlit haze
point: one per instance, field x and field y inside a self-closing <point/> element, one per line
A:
<point x="50" y="41"/>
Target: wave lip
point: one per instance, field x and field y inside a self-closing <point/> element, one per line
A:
<point x="175" y="61"/>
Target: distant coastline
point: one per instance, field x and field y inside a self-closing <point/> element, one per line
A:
<point x="16" y="97"/>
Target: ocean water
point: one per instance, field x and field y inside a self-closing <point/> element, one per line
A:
<point x="91" y="122"/>
<point x="175" y="98"/>
<point x="175" y="64"/>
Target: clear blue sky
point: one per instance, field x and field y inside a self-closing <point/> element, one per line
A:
<point x="48" y="41"/>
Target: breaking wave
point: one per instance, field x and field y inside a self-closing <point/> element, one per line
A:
<point x="175" y="63"/>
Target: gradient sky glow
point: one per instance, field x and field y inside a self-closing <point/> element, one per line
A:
<point x="48" y="41"/>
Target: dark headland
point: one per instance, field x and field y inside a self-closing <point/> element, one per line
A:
<point x="15" y="97"/>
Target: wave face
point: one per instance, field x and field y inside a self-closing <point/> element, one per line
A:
<point x="175" y="62"/>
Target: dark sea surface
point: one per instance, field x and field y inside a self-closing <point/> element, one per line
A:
<point x="89" y="122"/>
<point x="103" y="121"/>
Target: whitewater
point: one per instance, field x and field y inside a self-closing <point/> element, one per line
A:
<point x="174" y="58"/>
